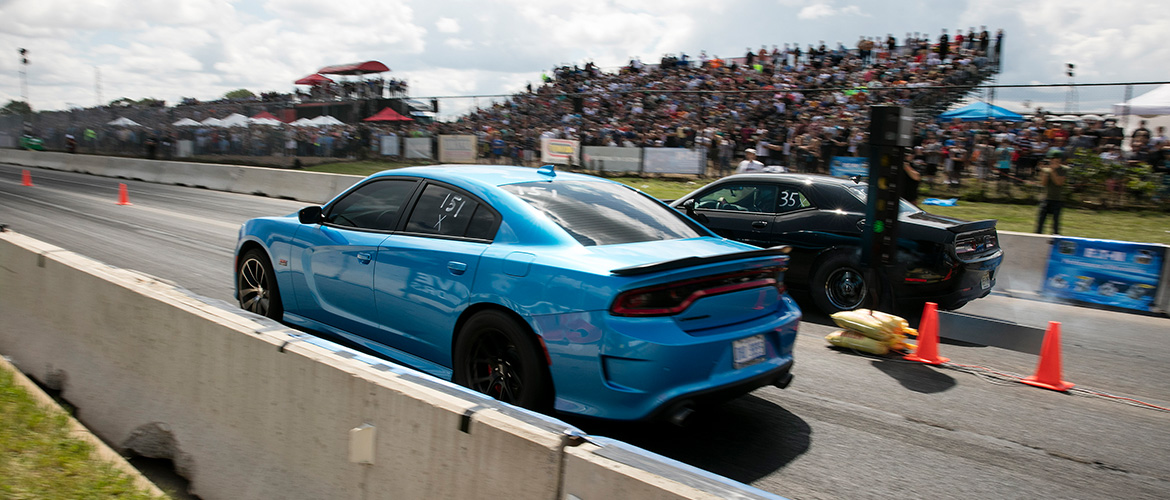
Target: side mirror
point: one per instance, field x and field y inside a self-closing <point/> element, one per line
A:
<point x="689" y="206"/>
<point x="310" y="215"/>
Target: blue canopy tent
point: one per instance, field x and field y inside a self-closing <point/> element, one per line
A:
<point x="980" y="111"/>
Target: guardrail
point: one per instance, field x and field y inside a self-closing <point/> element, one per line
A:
<point x="247" y="408"/>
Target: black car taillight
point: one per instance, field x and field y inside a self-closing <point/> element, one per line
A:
<point x="673" y="298"/>
<point x="966" y="246"/>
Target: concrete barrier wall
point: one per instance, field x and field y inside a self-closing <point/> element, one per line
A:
<point x="1025" y="261"/>
<point x="312" y="187"/>
<point x="249" y="409"/>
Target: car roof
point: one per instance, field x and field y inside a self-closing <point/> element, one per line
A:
<point x="813" y="178"/>
<point x="487" y="175"/>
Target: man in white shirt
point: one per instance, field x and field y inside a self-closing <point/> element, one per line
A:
<point x="750" y="163"/>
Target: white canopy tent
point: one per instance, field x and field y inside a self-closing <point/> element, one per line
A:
<point x="122" y="121"/>
<point x="326" y="120"/>
<point x="268" y="122"/>
<point x="212" y="122"/>
<point x="303" y="122"/>
<point x="186" y="122"/>
<point x="1153" y="103"/>
<point x="235" y="120"/>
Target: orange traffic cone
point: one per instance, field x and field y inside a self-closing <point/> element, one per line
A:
<point x="123" y="196"/>
<point x="1048" y="371"/>
<point x="927" y="351"/>
<point x="25" y="178"/>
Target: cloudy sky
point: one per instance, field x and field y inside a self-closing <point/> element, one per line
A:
<point x="168" y="49"/>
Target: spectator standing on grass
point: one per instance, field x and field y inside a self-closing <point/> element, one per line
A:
<point x="909" y="178"/>
<point x="955" y="162"/>
<point x="749" y="163"/>
<point x="1053" y="177"/>
<point x="1003" y="165"/>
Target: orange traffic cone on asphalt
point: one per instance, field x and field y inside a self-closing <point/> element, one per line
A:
<point x="123" y="196"/>
<point x="25" y="178"/>
<point x="927" y="351"/>
<point x="1048" y="371"/>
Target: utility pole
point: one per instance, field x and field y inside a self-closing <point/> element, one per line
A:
<point x="24" y="79"/>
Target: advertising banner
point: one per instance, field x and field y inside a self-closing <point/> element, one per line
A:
<point x="675" y="160"/>
<point x="560" y="151"/>
<point x="418" y="147"/>
<point x="1106" y="272"/>
<point x="388" y="145"/>
<point x="612" y="159"/>
<point x="457" y="148"/>
<point x="849" y="166"/>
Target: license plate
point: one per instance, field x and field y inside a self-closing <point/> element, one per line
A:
<point x="748" y="351"/>
<point x="985" y="282"/>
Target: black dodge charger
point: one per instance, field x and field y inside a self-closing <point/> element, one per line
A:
<point x="939" y="259"/>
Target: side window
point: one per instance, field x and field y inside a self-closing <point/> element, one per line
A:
<point x="790" y="200"/>
<point x="446" y="212"/>
<point x="373" y="206"/>
<point x="740" y="198"/>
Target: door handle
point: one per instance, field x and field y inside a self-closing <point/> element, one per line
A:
<point x="760" y="224"/>
<point x="364" y="257"/>
<point x="456" y="268"/>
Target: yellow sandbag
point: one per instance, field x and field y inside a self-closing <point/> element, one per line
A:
<point x="861" y="321"/>
<point x="894" y="324"/>
<point x="854" y="340"/>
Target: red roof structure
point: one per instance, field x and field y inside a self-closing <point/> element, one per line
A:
<point x="265" y="114"/>
<point x="313" y="79"/>
<point x="359" y="68"/>
<point x="388" y="115"/>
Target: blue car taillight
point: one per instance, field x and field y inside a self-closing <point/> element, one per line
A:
<point x="673" y="298"/>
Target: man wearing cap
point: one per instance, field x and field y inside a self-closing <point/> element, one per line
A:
<point x="750" y="163"/>
<point x="1052" y="178"/>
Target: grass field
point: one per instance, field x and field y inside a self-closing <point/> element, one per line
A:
<point x="1137" y="226"/>
<point x="40" y="460"/>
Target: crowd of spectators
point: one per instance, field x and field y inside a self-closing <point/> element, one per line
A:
<point x="1013" y="152"/>
<point x="795" y="107"/>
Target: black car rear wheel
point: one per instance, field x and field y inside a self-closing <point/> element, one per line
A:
<point x="839" y="284"/>
<point x="496" y="356"/>
<point x="256" y="285"/>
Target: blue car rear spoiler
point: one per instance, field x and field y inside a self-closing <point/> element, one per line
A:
<point x="777" y="251"/>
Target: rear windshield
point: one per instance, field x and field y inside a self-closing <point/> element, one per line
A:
<point x="861" y="192"/>
<point x="604" y="213"/>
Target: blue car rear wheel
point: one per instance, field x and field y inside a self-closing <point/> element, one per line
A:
<point x="496" y="356"/>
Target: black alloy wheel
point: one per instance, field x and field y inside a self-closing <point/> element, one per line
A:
<point x="839" y="284"/>
<point x="496" y="356"/>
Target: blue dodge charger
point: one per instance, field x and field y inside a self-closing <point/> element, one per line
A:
<point x="548" y="290"/>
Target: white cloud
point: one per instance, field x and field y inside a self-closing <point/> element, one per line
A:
<point x="203" y="48"/>
<point x="447" y="25"/>
<point x="816" y="11"/>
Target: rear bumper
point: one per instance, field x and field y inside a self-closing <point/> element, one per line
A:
<point x="780" y="377"/>
<point x="968" y="281"/>
<point x="618" y="368"/>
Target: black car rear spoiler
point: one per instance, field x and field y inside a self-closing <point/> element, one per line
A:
<point x="697" y="261"/>
<point x="967" y="227"/>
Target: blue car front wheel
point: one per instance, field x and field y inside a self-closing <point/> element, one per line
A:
<point x="496" y="356"/>
<point x="256" y="285"/>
